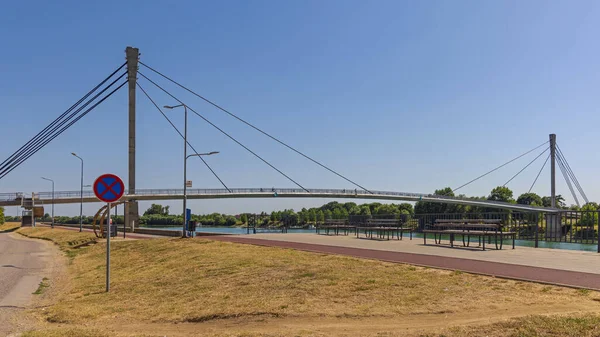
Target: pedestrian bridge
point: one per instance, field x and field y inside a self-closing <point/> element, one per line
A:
<point x="73" y="197"/>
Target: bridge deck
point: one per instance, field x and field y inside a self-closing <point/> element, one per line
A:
<point x="70" y="197"/>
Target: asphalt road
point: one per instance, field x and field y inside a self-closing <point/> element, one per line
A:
<point x="22" y="264"/>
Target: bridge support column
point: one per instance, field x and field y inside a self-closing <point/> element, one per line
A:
<point x="553" y="227"/>
<point x="131" y="209"/>
<point x="552" y="170"/>
<point x="132" y="215"/>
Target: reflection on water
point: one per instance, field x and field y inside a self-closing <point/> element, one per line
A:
<point x="523" y="243"/>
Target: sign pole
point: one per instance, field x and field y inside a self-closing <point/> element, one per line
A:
<point x="108" y="188"/>
<point x="108" y="249"/>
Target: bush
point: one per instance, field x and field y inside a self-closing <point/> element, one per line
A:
<point x="1" y="215"/>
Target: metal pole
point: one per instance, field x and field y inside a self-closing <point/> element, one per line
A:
<point x="52" y="203"/>
<point x="552" y="170"/>
<point x="598" y="242"/>
<point x="32" y="209"/>
<point x="185" y="173"/>
<point x="124" y="208"/>
<point x="108" y="249"/>
<point x="81" y="202"/>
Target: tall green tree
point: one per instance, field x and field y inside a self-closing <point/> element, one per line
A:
<point x="156" y="209"/>
<point x="406" y="208"/>
<point x="320" y="216"/>
<point x="590" y="215"/>
<point x="364" y="210"/>
<point x="530" y="199"/>
<point x="560" y="201"/>
<point x="1" y="215"/>
<point x="244" y="218"/>
<point x="386" y="209"/>
<point x="328" y="215"/>
<point x="312" y="215"/>
<point x="434" y="207"/>
<point x="501" y="193"/>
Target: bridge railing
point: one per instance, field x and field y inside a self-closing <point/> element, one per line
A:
<point x="266" y="191"/>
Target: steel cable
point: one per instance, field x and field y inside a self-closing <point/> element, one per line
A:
<point x="252" y="126"/>
<point x="223" y="132"/>
<point x="179" y="132"/>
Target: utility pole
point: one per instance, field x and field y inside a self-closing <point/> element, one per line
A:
<point x="553" y="170"/>
<point x="132" y="56"/>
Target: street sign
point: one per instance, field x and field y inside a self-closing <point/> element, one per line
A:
<point x="109" y="188"/>
<point x="188" y="183"/>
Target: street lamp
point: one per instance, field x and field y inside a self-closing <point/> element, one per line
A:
<point x="185" y="157"/>
<point x="81" y="204"/>
<point x="52" y="199"/>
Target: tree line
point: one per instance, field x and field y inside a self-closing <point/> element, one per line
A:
<point x="500" y="193"/>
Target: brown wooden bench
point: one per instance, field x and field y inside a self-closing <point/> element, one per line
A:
<point x="481" y="228"/>
<point x="383" y="228"/>
<point x="335" y="226"/>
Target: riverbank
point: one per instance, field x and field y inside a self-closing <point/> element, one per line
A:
<point x="220" y="288"/>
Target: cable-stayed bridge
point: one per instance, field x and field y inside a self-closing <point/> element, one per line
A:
<point x="129" y="74"/>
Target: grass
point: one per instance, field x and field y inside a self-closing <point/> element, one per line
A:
<point x="9" y="226"/>
<point x="42" y="286"/>
<point x="534" y="326"/>
<point x="167" y="281"/>
<point x="67" y="240"/>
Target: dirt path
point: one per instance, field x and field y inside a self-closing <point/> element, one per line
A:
<point x="395" y="325"/>
<point x="24" y="263"/>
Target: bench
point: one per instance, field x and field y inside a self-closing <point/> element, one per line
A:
<point x="335" y="226"/>
<point x="383" y="228"/>
<point x="481" y="228"/>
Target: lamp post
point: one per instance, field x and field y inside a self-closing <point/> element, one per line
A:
<point x="52" y="199"/>
<point x="185" y="157"/>
<point x="81" y="203"/>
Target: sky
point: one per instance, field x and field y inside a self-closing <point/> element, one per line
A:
<point x="396" y="95"/>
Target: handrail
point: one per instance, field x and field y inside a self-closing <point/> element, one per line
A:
<point x="271" y="191"/>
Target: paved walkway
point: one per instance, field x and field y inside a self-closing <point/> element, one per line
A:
<point x="554" y="266"/>
<point x="22" y="267"/>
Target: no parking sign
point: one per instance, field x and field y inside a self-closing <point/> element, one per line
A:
<point x="108" y="188"/>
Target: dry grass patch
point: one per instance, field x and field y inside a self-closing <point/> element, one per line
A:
<point x="174" y="280"/>
<point x="9" y="226"/>
<point x="244" y="290"/>
<point x="534" y="326"/>
<point x="67" y="240"/>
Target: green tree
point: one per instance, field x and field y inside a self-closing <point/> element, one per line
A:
<point x="365" y="210"/>
<point x="328" y="215"/>
<point x="244" y="218"/>
<point x="560" y="201"/>
<point x="386" y="209"/>
<point x="1" y="215"/>
<point x="530" y="199"/>
<point x="406" y="207"/>
<point x="501" y="193"/>
<point x="156" y="209"/>
<point x="320" y="216"/>
<point x="337" y="213"/>
<point x="352" y="208"/>
<point x="434" y="207"/>
<point x="312" y="215"/>
<point x="589" y="216"/>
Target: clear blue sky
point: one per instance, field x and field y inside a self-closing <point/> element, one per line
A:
<point x="398" y="95"/>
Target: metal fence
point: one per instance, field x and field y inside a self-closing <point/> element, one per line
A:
<point x="565" y="226"/>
